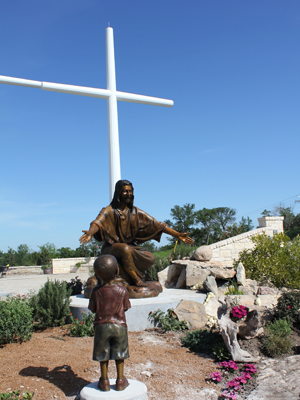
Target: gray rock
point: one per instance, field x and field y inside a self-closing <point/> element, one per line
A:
<point x="222" y="273"/>
<point x="267" y="290"/>
<point x="208" y="394"/>
<point x="210" y="285"/>
<point x="277" y="379"/>
<point x="181" y="282"/>
<point x="212" y="306"/>
<point x="203" y="253"/>
<point x="169" y="276"/>
<point x="241" y="275"/>
<point x="251" y="285"/>
<point x="192" y="312"/>
<point x="195" y="275"/>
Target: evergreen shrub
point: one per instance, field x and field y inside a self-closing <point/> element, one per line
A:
<point x="51" y="305"/>
<point x="202" y="341"/>
<point x="16" y="322"/>
<point x="277" y="341"/>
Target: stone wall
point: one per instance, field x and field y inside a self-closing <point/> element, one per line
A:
<point x="67" y="265"/>
<point x="227" y="251"/>
<point x="25" y="270"/>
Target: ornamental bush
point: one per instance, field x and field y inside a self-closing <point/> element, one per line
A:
<point x="202" y="341"/>
<point x="84" y="327"/>
<point x="51" y="305"/>
<point x="16" y="322"/>
<point x="288" y="306"/>
<point x="276" y="259"/>
<point x="168" y="321"/>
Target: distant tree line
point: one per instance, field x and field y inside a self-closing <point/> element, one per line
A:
<point x="208" y="225"/>
<point x="25" y="256"/>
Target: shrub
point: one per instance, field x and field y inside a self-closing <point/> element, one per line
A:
<point x="220" y="352"/>
<point x="76" y="285"/>
<point x="16" y="395"/>
<point x="288" y="306"/>
<point x="202" y="341"/>
<point x="51" y="304"/>
<point x="16" y="322"/>
<point x="276" y="259"/>
<point x="84" y="327"/>
<point x="168" y="321"/>
<point x="277" y="341"/>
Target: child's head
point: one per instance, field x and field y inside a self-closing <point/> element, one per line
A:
<point x="106" y="267"/>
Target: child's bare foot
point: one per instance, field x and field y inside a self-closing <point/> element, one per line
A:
<point x="103" y="385"/>
<point x="122" y="384"/>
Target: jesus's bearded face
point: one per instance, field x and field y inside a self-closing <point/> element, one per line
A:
<point x="126" y="194"/>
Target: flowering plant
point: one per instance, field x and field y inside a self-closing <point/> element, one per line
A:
<point x="239" y="312"/>
<point x="84" y="327"/>
<point x="216" y="376"/>
<point x="229" y="365"/>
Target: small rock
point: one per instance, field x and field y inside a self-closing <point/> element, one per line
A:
<point x="146" y="373"/>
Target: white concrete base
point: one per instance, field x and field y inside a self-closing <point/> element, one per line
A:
<point x="135" y="391"/>
<point x="137" y="315"/>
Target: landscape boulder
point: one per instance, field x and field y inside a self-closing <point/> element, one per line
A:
<point x="203" y="253"/>
<point x="192" y="312"/>
<point x="168" y="277"/>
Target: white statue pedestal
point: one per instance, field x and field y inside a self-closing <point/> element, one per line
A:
<point x="135" y="391"/>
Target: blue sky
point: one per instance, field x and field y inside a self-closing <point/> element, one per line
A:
<point x="231" y="138"/>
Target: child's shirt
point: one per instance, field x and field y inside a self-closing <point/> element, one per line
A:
<point x="109" y="303"/>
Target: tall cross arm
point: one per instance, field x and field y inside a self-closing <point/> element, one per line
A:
<point x="138" y="98"/>
<point x="86" y="91"/>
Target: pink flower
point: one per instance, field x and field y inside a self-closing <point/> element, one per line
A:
<point x="288" y="307"/>
<point x="216" y="376"/>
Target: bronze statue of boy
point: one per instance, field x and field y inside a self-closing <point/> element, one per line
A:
<point x="109" y="301"/>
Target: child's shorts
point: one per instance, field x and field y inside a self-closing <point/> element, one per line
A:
<point x="110" y="342"/>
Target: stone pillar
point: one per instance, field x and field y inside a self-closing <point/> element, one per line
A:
<point x="274" y="223"/>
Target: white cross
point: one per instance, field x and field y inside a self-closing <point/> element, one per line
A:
<point x="111" y="94"/>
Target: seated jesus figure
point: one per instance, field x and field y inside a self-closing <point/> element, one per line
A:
<point x="123" y="227"/>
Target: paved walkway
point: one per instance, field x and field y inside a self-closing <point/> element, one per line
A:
<point x="23" y="284"/>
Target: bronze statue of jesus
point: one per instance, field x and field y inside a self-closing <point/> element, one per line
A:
<point x="123" y="227"/>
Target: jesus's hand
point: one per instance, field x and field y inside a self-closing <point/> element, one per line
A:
<point x="185" y="238"/>
<point x="85" y="238"/>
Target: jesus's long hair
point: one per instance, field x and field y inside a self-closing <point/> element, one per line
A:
<point x="118" y="190"/>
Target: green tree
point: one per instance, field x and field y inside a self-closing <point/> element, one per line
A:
<point x="207" y="217"/>
<point x="183" y="219"/>
<point x="224" y="216"/>
<point x="23" y="255"/>
<point x="150" y="246"/>
<point x="46" y="253"/>
<point x="66" y="252"/>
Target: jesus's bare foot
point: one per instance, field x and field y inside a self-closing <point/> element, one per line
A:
<point x="140" y="283"/>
